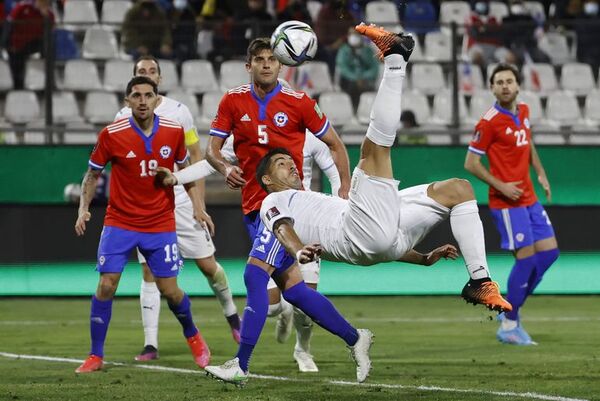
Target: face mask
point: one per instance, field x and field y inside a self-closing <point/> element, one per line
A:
<point x="481" y="8"/>
<point x="180" y="4"/>
<point x="354" y="40"/>
<point x="590" y="8"/>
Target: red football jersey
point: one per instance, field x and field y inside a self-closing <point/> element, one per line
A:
<point x="278" y="121"/>
<point x="135" y="203"/>
<point x="506" y="139"/>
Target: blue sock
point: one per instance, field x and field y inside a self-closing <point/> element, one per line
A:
<point x="255" y="312"/>
<point x="100" y="314"/>
<point x="545" y="259"/>
<point x="321" y="311"/>
<point x="518" y="284"/>
<point x="183" y="313"/>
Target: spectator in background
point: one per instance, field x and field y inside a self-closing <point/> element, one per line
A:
<point x="588" y="33"/>
<point x="251" y="22"/>
<point x="183" y="30"/>
<point x="24" y="35"/>
<point x="408" y="127"/>
<point x="484" y="37"/>
<point x="146" y="31"/>
<point x="331" y="28"/>
<point x="520" y="32"/>
<point x="357" y="66"/>
<point x="295" y="10"/>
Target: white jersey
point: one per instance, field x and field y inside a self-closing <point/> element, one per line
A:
<point x="179" y="112"/>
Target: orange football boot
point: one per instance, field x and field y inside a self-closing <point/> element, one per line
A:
<point x="485" y="292"/>
<point x="199" y="349"/>
<point x="91" y="364"/>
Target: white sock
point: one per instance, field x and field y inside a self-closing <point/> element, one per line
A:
<point x="278" y="308"/>
<point x="468" y="231"/>
<point x="303" y="325"/>
<point x="508" y="324"/>
<point x="220" y="287"/>
<point x="150" y="304"/>
<point x="385" y="112"/>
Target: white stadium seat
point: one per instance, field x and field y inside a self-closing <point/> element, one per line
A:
<point x="470" y="78"/>
<point x="113" y="12"/>
<point x="100" y="42"/>
<point x="187" y="99"/>
<point x="6" y="82"/>
<point x="498" y="9"/>
<point x="64" y="107"/>
<point x="80" y="133"/>
<point x="365" y="103"/>
<point x="438" y="46"/>
<point x="428" y="78"/>
<point x="442" y="107"/>
<point x="381" y="12"/>
<point x="318" y="74"/>
<point x="210" y="105"/>
<point x="454" y="11"/>
<point x="116" y="74"/>
<point x="169" y="78"/>
<point x="232" y="74"/>
<point x="81" y="75"/>
<point x="101" y="107"/>
<point x="577" y="77"/>
<point x="337" y="106"/>
<point x="592" y="107"/>
<point x="416" y="102"/>
<point x="21" y="107"/>
<point x="35" y="75"/>
<point x="481" y="102"/>
<point x="562" y="108"/>
<point x="536" y="113"/>
<point x="555" y="45"/>
<point x="314" y="6"/>
<point x="198" y="76"/>
<point x="82" y="13"/>
<point x="536" y="9"/>
<point x="539" y="77"/>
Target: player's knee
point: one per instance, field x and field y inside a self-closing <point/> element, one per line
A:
<point x="453" y="192"/>
<point x="107" y="289"/>
<point x="463" y="190"/>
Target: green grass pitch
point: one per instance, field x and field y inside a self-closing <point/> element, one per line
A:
<point x="426" y="348"/>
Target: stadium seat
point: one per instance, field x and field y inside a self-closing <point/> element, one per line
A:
<point x="198" y="76"/>
<point x="442" y="108"/>
<point x="540" y="78"/>
<point x="454" y="11"/>
<point x="481" y="102"/>
<point x="80" y="133"/>
<point x="100" y="42"/>
<point x="417" y="54"/>
<point x="33" y="133"/>
<point x="420" y="17"/>
<point x="79" y="14"/>
<point x="232" y="74"/>
<point x="64" y="108"/>
<point x="314" y="7"/>
<point x="536" y="113"/>
<point x="438" y="46"/>
<point x="210" y="105"/>
<point x="21" y="107"/>
<point x="101" y="107"/>
<point x="416" y="102"/>
<point x="81" y="75"/>
<point x="337" y="106"/>
<point x="35" y="75"/>
<point x="381" y="12"/>
<point x="116" y="74"/>
<point x="536" y="9"/>
<point x="365" y="103"/>
<point x="428" y="78"/>
<point x="555" y="45"/>
<point x="113" y="12"/>
<point x="498" y="9"/>
<point x="170" y="79"/>
<point x="592" y="107"/>
<point x="470" y="78"/>
<point x="563" y="109"/>
<point x="318" y="77"/>
<point x="578" y="78"/>
<point x="187" y="99"/>
<point x="6" y="82"/>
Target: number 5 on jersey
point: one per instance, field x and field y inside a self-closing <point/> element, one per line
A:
<point x="263" y="135"/>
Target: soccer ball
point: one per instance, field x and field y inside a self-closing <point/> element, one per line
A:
<point x="293" y="43"/>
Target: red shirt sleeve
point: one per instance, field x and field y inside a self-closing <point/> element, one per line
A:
<point x="313" y="117"/>
<point x="223" y="122"/>
<point x="482" y="138"/>
<point x="100" y="154"/>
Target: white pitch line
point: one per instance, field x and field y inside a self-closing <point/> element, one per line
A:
<point x="535" y="396"/>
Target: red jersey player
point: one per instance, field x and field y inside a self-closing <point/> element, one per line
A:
<point x="139" y="213"/>
<point x="504" y="135"/>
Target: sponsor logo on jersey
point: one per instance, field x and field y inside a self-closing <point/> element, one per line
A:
<point x="476" y="136"/>
<point x="520" y="237"/>
<point x="260" y="248"/>
<point x="101" y="260"/>
<point x="527" y="124"/>
<point x="318" y="110"/>
<point x="280" y="119"/>
<point x="245" y="117"/>
<point x="272" y="212"/>
<point x="165" y="151"/>
<point x="130" y="155"/>
<point x="508" y="131"/>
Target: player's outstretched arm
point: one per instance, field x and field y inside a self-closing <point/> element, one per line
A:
<point x="427" y="259"/>
<point x="287" y="236"/>
<point x="340" y="157"/>
<point x="88" y="190"/>
<point x="536" y="162"/>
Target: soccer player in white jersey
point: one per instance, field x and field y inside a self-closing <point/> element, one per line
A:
<point x="194" y="226"/>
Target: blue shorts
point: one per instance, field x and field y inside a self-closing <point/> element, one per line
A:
<point x="267" y="248"/>
<point x="159" y="249"/>
<point x="252" y="221"/>
<point x="522" y="226"/>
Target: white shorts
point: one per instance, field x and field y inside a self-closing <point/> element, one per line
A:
<point x="370" y="224"/>
<point x="310" y="274"/>
<point x="419" y="214"/>
<point x="193" y="240"/>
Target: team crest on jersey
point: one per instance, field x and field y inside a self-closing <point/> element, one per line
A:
<point x="272" y="212"/>
<point x="527" y="124"/>
<point x="165" y="151"/>
<point x="520" y="237"/>
<point x="476" y="136"/>
<point x="280" y="119"/>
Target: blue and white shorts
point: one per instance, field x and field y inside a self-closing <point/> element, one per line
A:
<point x="522" y="226"/>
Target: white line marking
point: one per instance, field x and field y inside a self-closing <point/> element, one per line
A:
<point x="531" y="395"/>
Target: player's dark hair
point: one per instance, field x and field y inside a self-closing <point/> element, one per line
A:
<point x="505" y="67"/>
<point x="139" y="81"/>
<point x="256" y="46"/>
<point x="265" y="164"/>
<point x="147" y="57"/>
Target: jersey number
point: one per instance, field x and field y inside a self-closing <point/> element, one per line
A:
<point x="521" y="137"/>
<point x="265" y="236"/>
<point x="148" y="168"/>
<point x="263" y="135"/>
<point x="171" y="254"/>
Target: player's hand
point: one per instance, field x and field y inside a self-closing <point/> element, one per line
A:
<point x="543" y="180"/>
<point x="233" y="177"/>
<point x="164" y="177"/>
<point x="344" y="191"/>
<point x="205" y="219"/>
<point x="82" y="217"/>
<point x="511" y="190"/>
<point x="309" y="253"/>
<point x="446" y="251"/>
